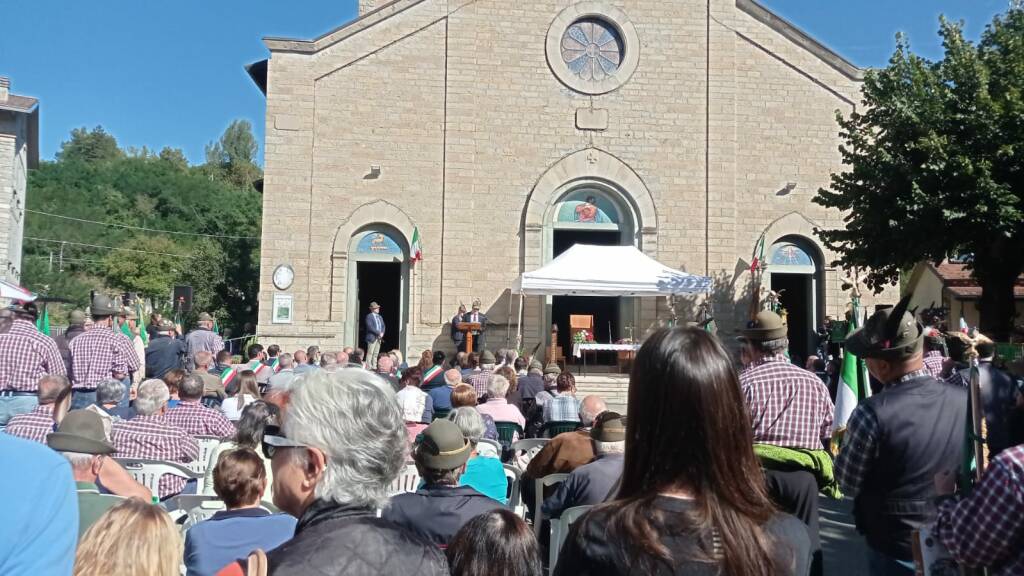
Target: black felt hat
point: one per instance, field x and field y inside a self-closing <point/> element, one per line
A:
<point x="890" y="334"/>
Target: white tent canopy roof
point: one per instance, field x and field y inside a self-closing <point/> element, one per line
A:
<point x="589" y="270"/>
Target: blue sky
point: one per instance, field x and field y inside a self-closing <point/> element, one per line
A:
<point x="170" y="73"/>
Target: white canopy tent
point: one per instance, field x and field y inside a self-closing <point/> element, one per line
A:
<point x="590" y="270"/>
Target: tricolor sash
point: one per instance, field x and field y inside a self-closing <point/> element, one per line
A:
<point x="275" y="364"/>
<point x="431" y="373"/>
<point x="227" y="376"/>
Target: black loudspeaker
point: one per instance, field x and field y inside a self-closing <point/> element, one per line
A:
<point x="181" y="300"/>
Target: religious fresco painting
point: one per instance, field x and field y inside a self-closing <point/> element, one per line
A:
<point x="586" y="207"/>
<point x="376" y="242"/>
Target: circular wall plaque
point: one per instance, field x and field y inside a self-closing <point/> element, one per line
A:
<point x="283" y="277"/>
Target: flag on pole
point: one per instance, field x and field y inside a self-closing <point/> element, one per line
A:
<point x="216" y="329"/>
<point x="758" y="257"/>
<point x="43" y="322"/>
<point x="142" y="324"/>
<point x="417" y="245"/>
<point x="849" y="388"/>
<point x="126" y="330"/>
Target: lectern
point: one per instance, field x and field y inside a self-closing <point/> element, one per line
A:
<point x="467" y="329"/>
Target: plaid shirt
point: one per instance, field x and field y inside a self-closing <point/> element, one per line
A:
<point x="987" y="528"/>
<point x="788" y="405"/>
<point x="152" y="438"/>
<point x="860" y="444"/>
<point x="564" y="407"/>
<point x="933" y="361"/>
<point x="479" y="381"/>
<point x="26" y="355"/>
<point x="34" y="425"/>
<point x="201" y="339"/>
<point x="198" y="420"/>
<point x="100" y="353"/>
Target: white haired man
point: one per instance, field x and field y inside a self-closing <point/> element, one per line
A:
<point x="191" y="416"/>
<point x="149" y="436"/>
<point x="591" y="483"/>
<point x="82" y="440"/>
<point x="333" y="473"/>
<point x="497" y="406"/>
<point x="109" y="394"/>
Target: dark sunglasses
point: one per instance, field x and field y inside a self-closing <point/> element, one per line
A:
<point x="274" y="438"/>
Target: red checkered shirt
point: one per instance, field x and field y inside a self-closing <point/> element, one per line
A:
<point x="100" y="353"/>
<point x="933" y="361"/>
<point x="34" y="425"/>
<point x="789" y="406"/>
<point x="152" y="438"/>
<point x="480" y="381"/>
<point x="987" y="528"/>
<point x="198" y="420"/>
<point x="26" y="355"/>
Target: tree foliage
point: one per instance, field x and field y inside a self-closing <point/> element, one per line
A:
<point x="142" y="190"/>
<point x="934" y="165"/>
<point x="233" y="157"/>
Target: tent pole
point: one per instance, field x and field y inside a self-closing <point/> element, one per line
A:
<point x="519" y="323"/>
<point x="508" y="320"/>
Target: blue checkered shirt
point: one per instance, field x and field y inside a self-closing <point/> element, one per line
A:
<point x="564" y="407"/>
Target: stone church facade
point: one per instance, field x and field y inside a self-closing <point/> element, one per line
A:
<point x="502" y="132"/>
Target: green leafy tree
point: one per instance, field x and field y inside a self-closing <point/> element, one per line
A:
<point x="935" y="166"/>
<point x="89" y="146"/>
<point x="210" y="219"/>
<point x="233" y="157"/>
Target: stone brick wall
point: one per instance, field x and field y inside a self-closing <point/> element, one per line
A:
<point x="456" y="103"/>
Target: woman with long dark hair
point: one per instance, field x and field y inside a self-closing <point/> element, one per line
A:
<point x="692" y="497"/>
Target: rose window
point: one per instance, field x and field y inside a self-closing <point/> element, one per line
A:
<point x="592" y="49"/>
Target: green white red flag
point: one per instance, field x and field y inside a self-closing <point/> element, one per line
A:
<point x="853" y="382"/>
<point x="417" y="245"/>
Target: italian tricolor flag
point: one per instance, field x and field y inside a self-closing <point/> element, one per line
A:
<point x="417" y="245"/>
<point x="853" y="383"/>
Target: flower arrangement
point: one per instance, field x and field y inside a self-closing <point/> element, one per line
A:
<point x="582" y="337"/>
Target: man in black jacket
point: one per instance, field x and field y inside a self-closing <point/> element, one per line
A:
<point x="333" y="472"/>
<point x="898" y="440"/>
<point x="1000" y="398"/>
<point x="439" y="509"/>
<point x="165" y="352"/>
<point x="76" y="326"/>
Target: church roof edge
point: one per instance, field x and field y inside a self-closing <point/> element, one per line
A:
<point x="801" y="38"/>
<point x="338" y="34"/>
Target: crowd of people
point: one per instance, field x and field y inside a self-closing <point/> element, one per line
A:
<point x="717" y="469"/>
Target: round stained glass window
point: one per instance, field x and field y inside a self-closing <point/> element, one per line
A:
<point x="592" y="49"/>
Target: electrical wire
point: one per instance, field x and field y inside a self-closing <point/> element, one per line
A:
<point x="127" y="227"/>
<point x="108" y="247"/>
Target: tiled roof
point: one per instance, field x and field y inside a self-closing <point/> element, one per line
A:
<point x="18" y="103"/>
<point x="957" y="279"/>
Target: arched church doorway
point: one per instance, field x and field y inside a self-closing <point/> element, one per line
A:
<point x="795" y="273"/>
<point x="591" y="213"/>
<point x="378" y="272"/>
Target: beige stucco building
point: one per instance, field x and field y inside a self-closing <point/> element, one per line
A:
<point x="504" y="132"/>
<point x="19" y="151"/>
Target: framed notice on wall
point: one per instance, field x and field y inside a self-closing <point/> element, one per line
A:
<point x="282" y="309"/>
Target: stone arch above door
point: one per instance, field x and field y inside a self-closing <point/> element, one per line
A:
<point x="366" y="215"/>
<point x="589" y="164"/>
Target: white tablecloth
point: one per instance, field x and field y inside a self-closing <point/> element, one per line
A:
<point x="577" y="348"/>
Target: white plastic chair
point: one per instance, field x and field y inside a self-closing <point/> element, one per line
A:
<point x="488" y="448"/>
<point x="408" y="480"/>
<point x="560" y="530"/>
<point x="149" y="472"/>
<point x="513" y="491"/>
<point x="541" y="484"/>
<point x="524" y="450"/>
<point x="207" y="444"/>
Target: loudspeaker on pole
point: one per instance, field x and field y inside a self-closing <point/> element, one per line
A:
<point x="181" y="299"/>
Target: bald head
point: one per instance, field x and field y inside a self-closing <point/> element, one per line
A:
<point x="300" y="357"/>
<point x="590" y="408"/>
<point x="204" y="358"/>
<point x="385" y="364"/>
<point x="453" y="377"/>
